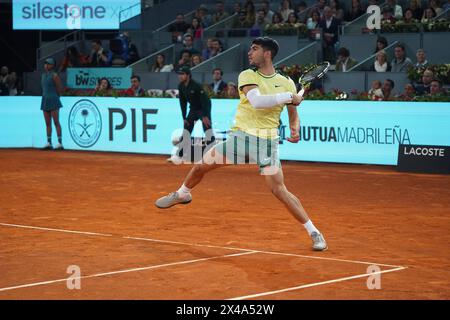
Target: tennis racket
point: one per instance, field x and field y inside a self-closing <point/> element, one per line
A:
<point x="314" y="73"/>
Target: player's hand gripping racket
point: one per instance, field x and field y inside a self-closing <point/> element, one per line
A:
<point x="314" y="73"/>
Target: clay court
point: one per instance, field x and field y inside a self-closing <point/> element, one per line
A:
<point x="234" y="241"/>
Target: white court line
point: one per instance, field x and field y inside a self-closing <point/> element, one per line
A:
<point x="265" y="252"/>
<point x="268" y="293"/>
<point x="124" y="271"/>
<point x="207" y="246"/>
<point x="58" y="230"/>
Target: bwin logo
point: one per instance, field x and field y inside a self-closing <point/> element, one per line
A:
<point x="84" y="78"/>
<point x="85" y="123"/>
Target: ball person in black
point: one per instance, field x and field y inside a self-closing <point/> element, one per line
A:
<point x="192" y="92"/>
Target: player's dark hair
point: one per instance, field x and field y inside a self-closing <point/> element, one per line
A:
<point x="267" y="44"/>
<point x="343" y="52"/>
<point x="136" y="77"/>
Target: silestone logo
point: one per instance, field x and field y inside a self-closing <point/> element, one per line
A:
<point x="85" y="123"/>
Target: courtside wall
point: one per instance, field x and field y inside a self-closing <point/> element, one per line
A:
<point x="331" y="131"/>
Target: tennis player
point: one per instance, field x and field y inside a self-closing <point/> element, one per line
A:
<point x="263" y="94"/>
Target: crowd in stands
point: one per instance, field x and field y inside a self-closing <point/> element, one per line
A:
<point x="10" y="84"/>
<point x="321" y="20"/>
<point x="121" y="53"/>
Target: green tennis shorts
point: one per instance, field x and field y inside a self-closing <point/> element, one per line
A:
<point x="241" y="148"/>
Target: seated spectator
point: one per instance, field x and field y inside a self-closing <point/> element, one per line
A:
<point x="118" y="52"/>
<point x="188" y="44"/>
<point x="237" y="8"/>
<point x="231" y="91"/>
<point x="265" y="5"/>
<point x="409" y="16"/>
<point x="330" y="29"/>
<point x="416" y="7"/>
<point x="428" y="15"/>
<point x="160" y="64"/>
<point x="401" y="63"/>
<point x="178" y="28"/>
<point x="196" y="28"/>
<point x="436" y="6"/>
<point x="12" y="83"/>
<point x="436" y="87"/>
<point x="73" y="59"/>
<point x="277" y="18"/>
<point x="218" y="85"/>
<point x="286" y="9"/>
<point x="421" y="59"/>
<point x="381" y="44"/>
<point x="409" y="93"/>
<point x="185" y="60"/>
<point x="135" y="90"/>
<point x="4" y="72"/>
<point x="375" y="92"/>
<point x="249" y="7"/>
<point x="132" y="50"/>
<point x="292" y="19"/>
<point x="424" y="87"/>
<point x="388" y="85"/>
<point x="242" y="21"/>
<point x="260" y="24"/>
<point x="220" y="13"/>
<point x="99" y="57"/>
<point x="381" y="64"/>
<point x="397" y="9"/>
<point x="103" y="87"/>
<point x="313" y="21"/>
<point x="344" y="61"/>
<point x="320" y="7"/>
<point x="355" y="11"/>
<point x="300" y="12"/>
<point x="206" y="53"/>
<point x="196" y="60"/>
<point x="203" y="16"/>
<point x="388" y="16"/>
<point x="336" y="7"/>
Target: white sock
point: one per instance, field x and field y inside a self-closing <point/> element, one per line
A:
<point x="310" y="227"/>
<point x="184" y="191"/>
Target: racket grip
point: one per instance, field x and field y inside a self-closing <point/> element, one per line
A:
<point x="301" y="92"/>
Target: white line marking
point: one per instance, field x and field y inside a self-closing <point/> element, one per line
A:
<point x="125" y="271"/>
<point x="265" y="252"/>
<point x="209" y="246"/>
<point x="58" y="230"/>
<point x="313" y="284"/>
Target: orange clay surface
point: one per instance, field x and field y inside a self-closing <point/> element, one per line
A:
<point x="235" y="240"/>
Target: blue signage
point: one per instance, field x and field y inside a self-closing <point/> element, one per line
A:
<point x="86" y="78"/>
<point x="331" y="131"/>
<point x="74" y="14"/>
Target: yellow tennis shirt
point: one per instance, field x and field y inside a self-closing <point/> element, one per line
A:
<point x="261" y="122"/>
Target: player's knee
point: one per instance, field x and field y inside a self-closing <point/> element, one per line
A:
<point x="278" y="190"/>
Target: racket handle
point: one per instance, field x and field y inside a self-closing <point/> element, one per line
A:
<point x="301" y="92"/>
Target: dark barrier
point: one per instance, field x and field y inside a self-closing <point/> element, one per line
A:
<point x="420" y="158"/>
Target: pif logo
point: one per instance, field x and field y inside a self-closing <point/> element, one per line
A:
<point x="85" y="123"/>
<point x="374" y="18"/>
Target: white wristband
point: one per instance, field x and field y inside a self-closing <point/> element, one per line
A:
<point x="284" y="98"/>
